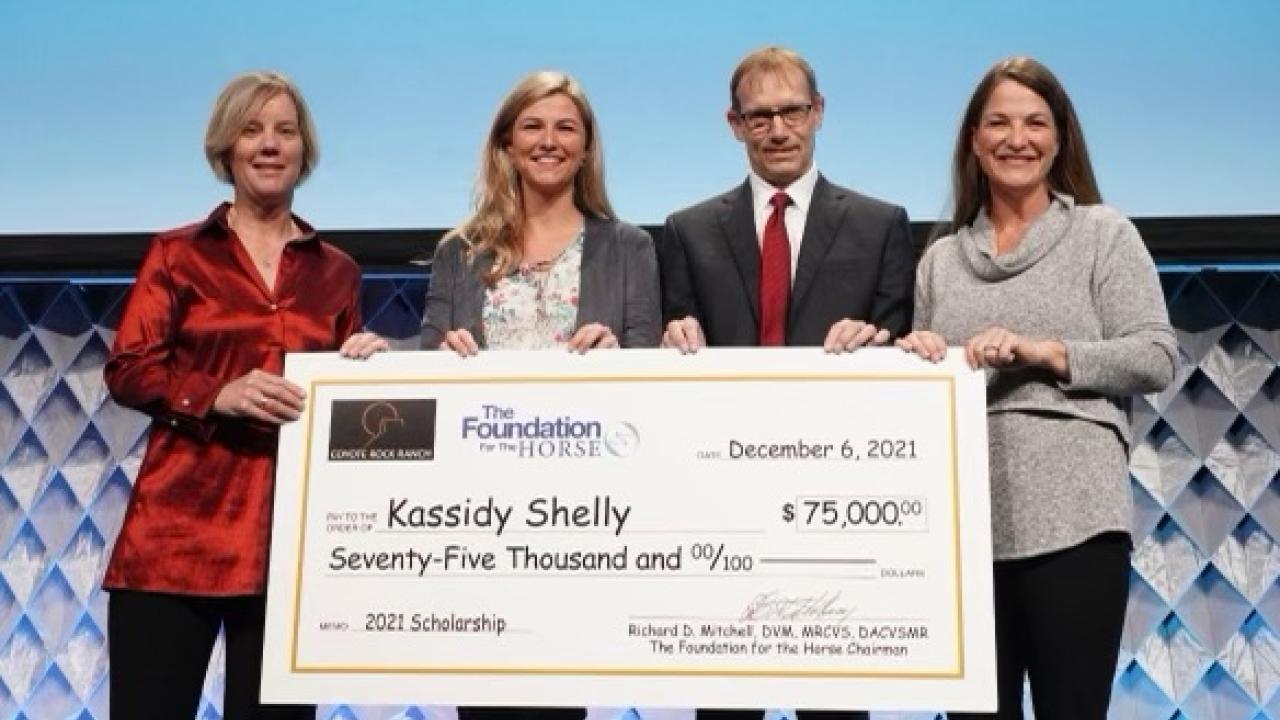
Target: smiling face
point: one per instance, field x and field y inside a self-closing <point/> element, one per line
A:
<point x="782" y="151"/>
<point x="1016" y="139"/>
<point x="266" y="158"/>
<point x="548" y="145"/>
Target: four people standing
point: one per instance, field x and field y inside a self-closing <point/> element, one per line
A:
<point x="1049" y="290"/>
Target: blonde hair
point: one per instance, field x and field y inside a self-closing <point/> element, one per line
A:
<point x="240" y="100"/>
<point x="496" y="222"/>
<point x="770" y="59"/>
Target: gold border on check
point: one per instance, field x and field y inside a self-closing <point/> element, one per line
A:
<point x="506" y="379"/>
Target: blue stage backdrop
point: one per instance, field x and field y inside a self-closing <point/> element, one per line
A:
<point x="1203" y="633"/>
<point x="104" y="103"/>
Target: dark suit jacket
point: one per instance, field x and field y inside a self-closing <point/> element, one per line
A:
<point x="856" y="261"/>
<point x="618" y="286"/>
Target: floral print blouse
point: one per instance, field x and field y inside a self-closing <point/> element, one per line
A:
<point x="535" y="307"/>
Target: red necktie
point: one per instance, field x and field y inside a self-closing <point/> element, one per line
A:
<point x="775" y="274"/>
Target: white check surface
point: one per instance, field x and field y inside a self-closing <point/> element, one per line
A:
<point x="736" y="528"/>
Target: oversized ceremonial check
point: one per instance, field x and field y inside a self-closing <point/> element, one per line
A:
<point x="735" y="528"/>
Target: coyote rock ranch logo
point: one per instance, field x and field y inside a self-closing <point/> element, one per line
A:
<point x="368" y="430"/>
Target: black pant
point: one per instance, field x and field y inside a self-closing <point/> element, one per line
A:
<point x="1059" y="618"/>
<point x="160" y="646"/>
<point x="800" y="715"/>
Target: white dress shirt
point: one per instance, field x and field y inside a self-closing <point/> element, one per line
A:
<point x="801" y="192"/>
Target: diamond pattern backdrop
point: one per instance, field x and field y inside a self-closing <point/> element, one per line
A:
<point x="1202" y="638"/>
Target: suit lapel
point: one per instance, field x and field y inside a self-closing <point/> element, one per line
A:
<point x="472" y="317"/>
<point x="826" y="210"/>
<point x="592" y="273"/>
<point x="738" y="224"/>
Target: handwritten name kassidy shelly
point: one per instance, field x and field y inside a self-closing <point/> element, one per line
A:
<point x="598" y="512"/>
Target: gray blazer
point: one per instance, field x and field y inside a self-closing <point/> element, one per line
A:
<point x="619" y="286"/>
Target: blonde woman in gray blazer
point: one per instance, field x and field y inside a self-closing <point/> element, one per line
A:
<point x="619" y="287"/>
<point x="542" y="262"/>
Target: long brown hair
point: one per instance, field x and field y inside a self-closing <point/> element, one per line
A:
<point x="497" y="219"/>
<point x="1071" y="173"/>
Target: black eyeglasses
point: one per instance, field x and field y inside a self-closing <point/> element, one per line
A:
<point x="760" y="120"/>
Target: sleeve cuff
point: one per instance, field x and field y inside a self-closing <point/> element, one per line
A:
<point x="190" y="404"/>
<point x="1078" y="363"/>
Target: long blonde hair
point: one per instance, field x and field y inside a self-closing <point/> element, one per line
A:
<point x="497" y="220"/>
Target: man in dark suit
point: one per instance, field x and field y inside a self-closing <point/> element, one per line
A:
<point x="786" y="258"/>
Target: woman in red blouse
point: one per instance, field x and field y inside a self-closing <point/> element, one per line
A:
<point x="200" y="348"/>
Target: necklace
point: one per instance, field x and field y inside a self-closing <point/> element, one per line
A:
<point x="529" y="265"/>
<point x="264" y="254"/>
<point x="538" y="273"/>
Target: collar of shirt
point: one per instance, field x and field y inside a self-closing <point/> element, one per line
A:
<point x="216" y="225"/>
<point x="801" y="192"/>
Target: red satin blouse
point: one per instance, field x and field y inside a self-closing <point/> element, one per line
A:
<point x="198" y="317"/>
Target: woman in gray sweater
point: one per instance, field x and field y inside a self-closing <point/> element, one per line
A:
<point x="1055" y="295"/>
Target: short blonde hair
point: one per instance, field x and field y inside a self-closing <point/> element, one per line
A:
<point x="240" y="100"/>
<point x="770" y="59"/>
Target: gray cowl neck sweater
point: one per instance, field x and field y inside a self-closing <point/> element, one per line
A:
<point x="1080" y="275"/>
